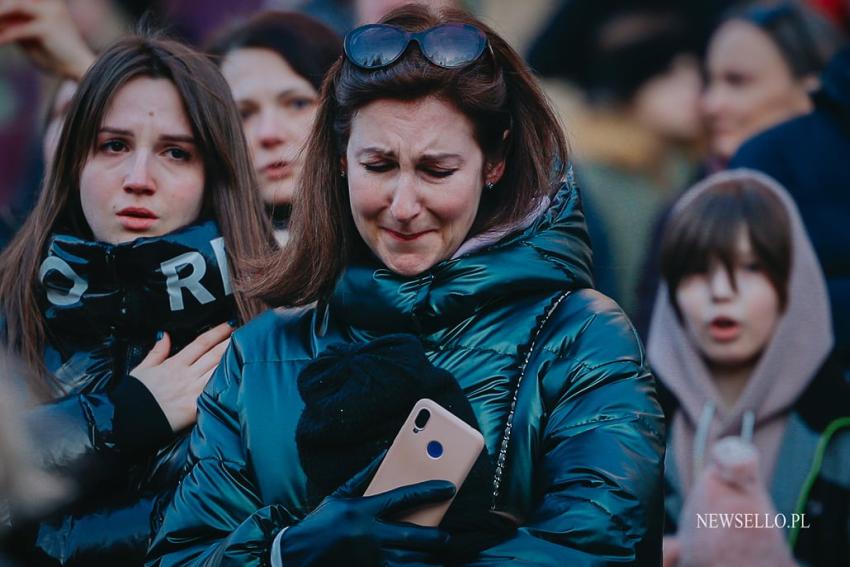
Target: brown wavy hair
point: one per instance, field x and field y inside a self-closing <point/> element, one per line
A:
<point x="496" y="92"/>
<point x="230" y="193"/>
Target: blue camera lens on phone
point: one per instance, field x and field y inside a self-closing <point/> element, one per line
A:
<point x="435" y="449"/>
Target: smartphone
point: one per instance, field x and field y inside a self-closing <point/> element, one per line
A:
<point x="433" y="444"/>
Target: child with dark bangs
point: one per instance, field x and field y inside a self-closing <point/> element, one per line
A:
<point x="758" y="444"/>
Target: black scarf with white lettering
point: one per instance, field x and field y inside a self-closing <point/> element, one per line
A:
<point x="93" y="292"/>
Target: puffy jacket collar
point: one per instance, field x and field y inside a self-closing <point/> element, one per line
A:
<point x="551" y="254"/>
<point x="178" y="282"/>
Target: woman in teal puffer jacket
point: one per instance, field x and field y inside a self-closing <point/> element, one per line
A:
<point x="427" y="208"/>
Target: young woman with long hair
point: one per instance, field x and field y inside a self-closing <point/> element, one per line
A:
<point x="118" y="289"/>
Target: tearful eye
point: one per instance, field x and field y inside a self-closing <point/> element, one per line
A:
<point x="179" y="154"/>
<point x="300" y="103"/>
<point x="246" y="112"/>
<point x="736" y="79"/>
<point x="113" y="146"/>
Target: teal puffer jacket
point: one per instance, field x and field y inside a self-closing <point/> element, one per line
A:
<point x="552" y="369"/>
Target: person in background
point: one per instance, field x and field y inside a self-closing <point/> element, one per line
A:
<point x="45" y="32"/>
<point x="56" y="113"/>
<point x="15" y="213"/>
<point x="762" y="64"/>
<point x="274" y="63"/>
<point x="434" y="216"/>
<point x="371" y="11"/>
<point x="742" y="345"/>
<point x="808" y="155"/>
<point x="637" y="65"/>
<point x="120" y="289"/>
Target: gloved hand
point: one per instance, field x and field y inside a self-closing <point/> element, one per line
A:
<point x="349" y="530"/>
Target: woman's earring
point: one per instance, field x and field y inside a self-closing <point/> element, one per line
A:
<point x="490" y="185"/>
<point x="342" y="173"/>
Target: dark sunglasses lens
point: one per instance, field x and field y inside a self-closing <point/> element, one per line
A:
<point x="375" y="46"/>
<point x="453" y="45"/>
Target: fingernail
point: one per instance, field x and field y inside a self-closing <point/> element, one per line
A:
<point x="233" y="323"/>
<point x="159" y="335"/>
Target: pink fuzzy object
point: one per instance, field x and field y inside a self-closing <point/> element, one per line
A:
<point x="728" y="518"/>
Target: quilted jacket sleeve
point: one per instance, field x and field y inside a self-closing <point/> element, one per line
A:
<point x="113" y="534"/>
<point x="599" y="485"/>
<point x="85" y="436"/>
<point x="216" y="517"/>
<point x="82" y="438"/>
<point x="81" y="435"/>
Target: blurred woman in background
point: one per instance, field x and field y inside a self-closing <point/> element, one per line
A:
<point x="761" y="66"/>
<point x="636" y="64"/>
<point x="274" y="63"/>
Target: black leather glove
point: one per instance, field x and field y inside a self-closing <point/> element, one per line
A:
<point x="349" y="530"/>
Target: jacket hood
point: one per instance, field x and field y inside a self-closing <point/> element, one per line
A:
<point x="550" y="251"/>
<point x="178" y="282"/>
<point x="800" y="344"/>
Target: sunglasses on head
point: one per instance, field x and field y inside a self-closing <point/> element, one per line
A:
<point x="448" y="45"/>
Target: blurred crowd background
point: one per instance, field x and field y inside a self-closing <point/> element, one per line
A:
<point x="653" y="94"/>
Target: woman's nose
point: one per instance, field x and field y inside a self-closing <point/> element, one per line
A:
<point x="139" y="178"/>
<point x="271" y="131"/>
<point x="405" y="200"/>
